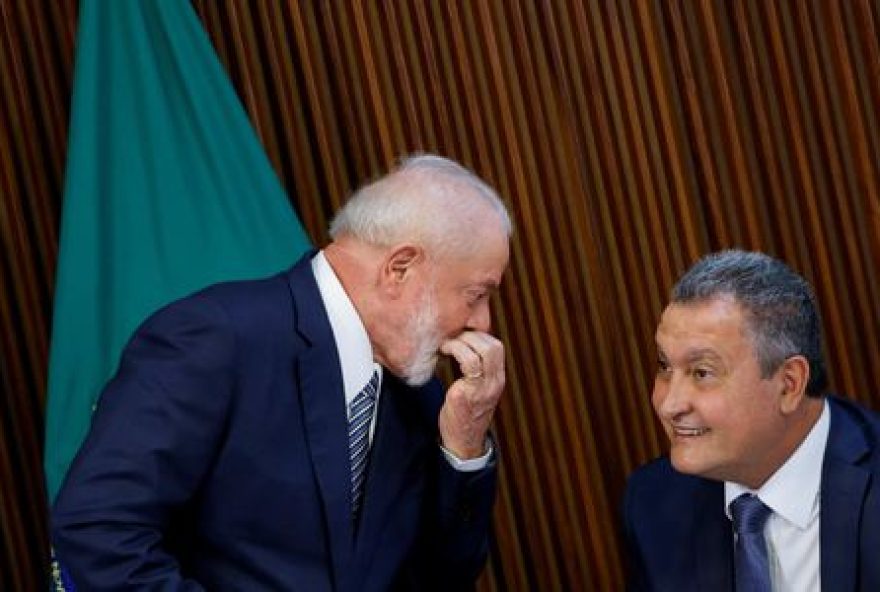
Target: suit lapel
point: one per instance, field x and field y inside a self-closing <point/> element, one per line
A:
<point x="323" y="405"/>
<point x="713" y="541"/>
<point x="843" y="491"/>
<point x="398" y="443"/>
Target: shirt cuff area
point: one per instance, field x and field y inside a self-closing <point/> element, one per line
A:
<point x="472" y="464"/>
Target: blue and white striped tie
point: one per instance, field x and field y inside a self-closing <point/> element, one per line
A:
<point x="360" y="414"/>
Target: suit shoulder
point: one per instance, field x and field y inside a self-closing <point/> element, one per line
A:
<point x="655" y="471"/>
<point x="224" y="295"/>
<point x="237" y="292"/>
<point x="657" y="484"/>
<point x="855" y="434"/>
<point x="867" y="420"/>
<point x="867" y="415"/>
<point x="262" y="305"/>
<point x="657" y="495"/>
<point x="252" y="314"/>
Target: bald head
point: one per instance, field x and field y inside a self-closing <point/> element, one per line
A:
<point x="429" y="200"/>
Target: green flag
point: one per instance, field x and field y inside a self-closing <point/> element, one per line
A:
<point x="167" y="190"/>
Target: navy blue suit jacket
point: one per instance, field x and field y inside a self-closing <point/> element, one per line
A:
<point x="680" y="539"/>
<point x="218" y="459"/>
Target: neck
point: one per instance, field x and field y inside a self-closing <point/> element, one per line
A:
<point x="356" y="264"/>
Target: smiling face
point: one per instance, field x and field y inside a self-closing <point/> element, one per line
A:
<point x="724" y="420"/>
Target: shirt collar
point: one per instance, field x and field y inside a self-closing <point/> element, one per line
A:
<point x="792" y="492"/>
<point x="352" y="340"/>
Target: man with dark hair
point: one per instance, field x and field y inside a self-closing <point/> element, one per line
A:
<point x="769" y="484"/>
<point x="286" y="433"/>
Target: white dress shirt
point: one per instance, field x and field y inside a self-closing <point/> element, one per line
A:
<point x="356" y="351"/>
<point x="792" y="531"/>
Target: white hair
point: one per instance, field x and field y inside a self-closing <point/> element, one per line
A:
<point x="427" y="199"/>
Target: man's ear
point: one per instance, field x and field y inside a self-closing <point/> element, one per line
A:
<point x="795" y="374"/>
<point x="398" y="266"/>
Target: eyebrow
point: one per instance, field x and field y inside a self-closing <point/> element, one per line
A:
<point x="702" y="353"/>
<point x="692" y="355"/>
<point x="488" y="285"/>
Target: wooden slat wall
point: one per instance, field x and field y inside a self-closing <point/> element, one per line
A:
<point x="36" y="56"/>
<point x="628" y="138"/>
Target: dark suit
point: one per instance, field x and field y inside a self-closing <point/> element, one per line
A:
<point x="218" y="457"/>
<point x="680" y="539"/>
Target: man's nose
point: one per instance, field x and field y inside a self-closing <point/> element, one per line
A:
<point x="481" y="318"/>
<point x="671" y="397"/>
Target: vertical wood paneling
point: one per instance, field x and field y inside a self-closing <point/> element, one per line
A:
<point x="628" y="138"/>
<point x="36" y="55"/>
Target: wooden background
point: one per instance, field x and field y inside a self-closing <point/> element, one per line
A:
<point x="628" y="138"/>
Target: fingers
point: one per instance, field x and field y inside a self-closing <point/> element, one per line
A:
<point x="478" y="354"/>
<point x="471" y="401"/>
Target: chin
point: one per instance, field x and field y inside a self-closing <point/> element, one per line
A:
<point x="419" y="373"/>
<point x="421" y="368"/>
<point x="419" y="380"/>
<point x="687" y="466"/>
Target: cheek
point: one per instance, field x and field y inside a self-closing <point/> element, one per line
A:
<point x="760" y="421"/>
<point x="755" y="404"/>
<point x="452" y="319"/>
<point x="658" y="395"/>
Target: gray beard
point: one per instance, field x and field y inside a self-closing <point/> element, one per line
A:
<point x="423" y="329"/>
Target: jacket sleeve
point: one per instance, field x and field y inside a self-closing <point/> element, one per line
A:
<point x="157" y="426"/>
<point x="454" y="539"/>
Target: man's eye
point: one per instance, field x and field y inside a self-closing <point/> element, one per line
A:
<point x="476" y="297"/>
<point x="702" y="373"/>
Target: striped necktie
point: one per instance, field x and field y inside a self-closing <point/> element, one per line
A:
<point x="752" y="570"/>
<point x="360" y="414"/>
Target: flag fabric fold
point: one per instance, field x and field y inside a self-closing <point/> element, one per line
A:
<point x="167" y="190"/>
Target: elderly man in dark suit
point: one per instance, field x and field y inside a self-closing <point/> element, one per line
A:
<point x="769" y="485"/>
<point x="286" y="433"/>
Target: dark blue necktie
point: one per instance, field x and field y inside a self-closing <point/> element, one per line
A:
<point x="752" y="569"/>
